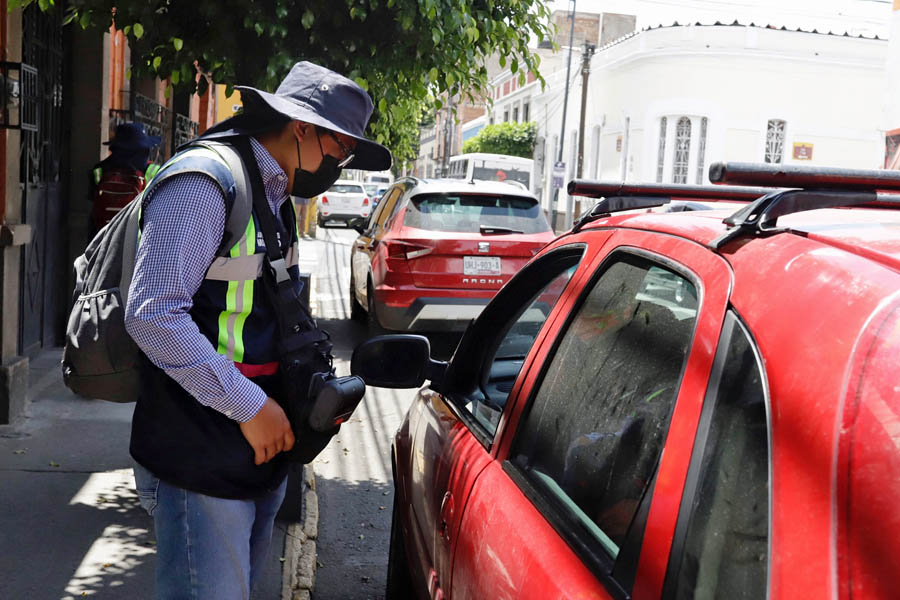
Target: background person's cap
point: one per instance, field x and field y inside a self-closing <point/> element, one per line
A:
<point x="319" y="96"/>
<point x="132" y="136"/>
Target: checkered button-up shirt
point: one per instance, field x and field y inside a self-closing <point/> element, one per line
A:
<point x="183" y="226"/>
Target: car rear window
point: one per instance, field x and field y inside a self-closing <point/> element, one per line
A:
<point x="343" y="188"/>
<point x="467" y="213"/>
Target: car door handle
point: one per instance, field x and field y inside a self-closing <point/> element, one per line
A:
<point x="446" y="515"/>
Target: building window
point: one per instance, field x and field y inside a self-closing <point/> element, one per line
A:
<point x="701" y="151"/>
<point x="682" y="150"/>
<point x="506" y="115"/>
<point x="515" y="117"/>
<point x="525" y="112"/>
<point x="661" y="159"/>
<point x="775" y="141"/>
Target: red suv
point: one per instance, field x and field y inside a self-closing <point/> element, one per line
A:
<point x="710" y="408"/>
<point x="435" y="252"/>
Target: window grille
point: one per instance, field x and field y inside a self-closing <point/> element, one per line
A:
<point x="775" y="141"/>
<point x="661" y="160"/>
<point x="682" y="150"/>
<point x="701" y="151"/>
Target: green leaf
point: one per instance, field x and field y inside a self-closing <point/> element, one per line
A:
<point x="138" y="30"/>
<point x="382" y="106"/>
<point x="156" y="62"/>
<point x="307" y="19"/>
<point x="127" y="30"/>
<point x="175" y="77"/>
<point x="44" y="5"/>
<point x="362" y="83"/>
<point x="13" y="5"/>
<point x="259" y="29"/>
<point x="178" y="43"/>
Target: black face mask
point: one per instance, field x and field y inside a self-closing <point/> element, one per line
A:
<point x="310" y="185"/>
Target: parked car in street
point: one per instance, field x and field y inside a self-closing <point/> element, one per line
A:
<point x="692" y="404"/>
<point x="435" y="252"/>
<point x="344" y="201"/>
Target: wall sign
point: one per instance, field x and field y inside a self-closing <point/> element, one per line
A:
<point x="803" y="151"/>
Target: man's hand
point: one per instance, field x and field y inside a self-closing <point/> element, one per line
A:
<point x="269" y="432"/>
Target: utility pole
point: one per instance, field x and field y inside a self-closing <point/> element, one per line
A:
<point x="562" y="133"/>
<point x="586" y="55"/>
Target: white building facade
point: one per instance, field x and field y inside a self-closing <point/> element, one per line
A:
<point x="664" y="103"/>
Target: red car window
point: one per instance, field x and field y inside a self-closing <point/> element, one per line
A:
<point x="591" y="441"/>
<point x="722" y="540"/>
<point x="468" y="213"/>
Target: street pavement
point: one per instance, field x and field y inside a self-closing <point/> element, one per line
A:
<point x="353" y="474"/>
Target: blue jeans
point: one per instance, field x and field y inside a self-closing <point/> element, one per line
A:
<point x="207" y="548"/>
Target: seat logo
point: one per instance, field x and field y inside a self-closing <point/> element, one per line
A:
<point x="484" y="246"/>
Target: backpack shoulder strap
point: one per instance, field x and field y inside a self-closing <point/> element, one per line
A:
<point x="238" y="215"/>
<point x="219" y="157"/>
<point x="129" y="247"/>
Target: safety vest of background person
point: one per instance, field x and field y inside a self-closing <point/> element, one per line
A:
<point x="114" y="187"/>
<point x="231" y="310"/>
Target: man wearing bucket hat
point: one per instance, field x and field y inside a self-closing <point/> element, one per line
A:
<point x="208" y="433"/>
<point x="122" y="175"/>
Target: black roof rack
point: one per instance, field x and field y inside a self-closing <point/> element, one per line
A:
<point x="618" y="196"/>
<point x="608" y="189"/>
<point x="784" y="176"/>
<point x="780" y="190"/>
<point x="819" y="188"/>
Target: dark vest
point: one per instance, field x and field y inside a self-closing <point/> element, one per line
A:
<point x="174" y="436"/>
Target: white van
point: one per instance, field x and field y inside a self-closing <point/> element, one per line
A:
<point x="381" y="179"/>
<point x="491" y="167"/>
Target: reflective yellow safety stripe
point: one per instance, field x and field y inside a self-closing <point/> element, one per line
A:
<point x="98" y="174"/>
<point x="238" y="302"/>
<point x="152" y="169"/>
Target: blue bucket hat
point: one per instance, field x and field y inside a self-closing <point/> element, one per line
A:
<point x="131" y="137"/>
<point x="319" y="96"/>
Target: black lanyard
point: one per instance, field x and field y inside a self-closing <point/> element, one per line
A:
<point x="296" y="326"/>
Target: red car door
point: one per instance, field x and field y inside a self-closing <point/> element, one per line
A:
<point x="451" y="435"/>
<point x="578" y="499"/>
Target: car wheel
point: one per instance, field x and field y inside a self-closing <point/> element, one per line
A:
<point x="399" y="583"/>
<point x="357" y="312"/>
<point x="375" y="327"/>
<point x="321" y="222"/>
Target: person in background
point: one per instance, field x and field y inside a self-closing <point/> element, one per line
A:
<point x="122" y="175"/>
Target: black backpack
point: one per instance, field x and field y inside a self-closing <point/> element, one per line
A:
<point x="100" y="360"/>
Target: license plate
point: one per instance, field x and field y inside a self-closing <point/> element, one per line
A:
<point x="481" y="265"/>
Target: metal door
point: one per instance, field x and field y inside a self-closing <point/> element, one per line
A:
<point x="43" y="262"/>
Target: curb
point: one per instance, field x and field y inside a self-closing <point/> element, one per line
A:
<point x="299" y="570"/>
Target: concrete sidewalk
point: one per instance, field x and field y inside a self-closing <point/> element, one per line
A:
<point x="70" y="519"/>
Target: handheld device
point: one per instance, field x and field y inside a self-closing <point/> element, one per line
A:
<point x="335" y="399"/>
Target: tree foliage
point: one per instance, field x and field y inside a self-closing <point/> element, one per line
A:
<point x="514" y="139"/>
<point x="405" y="53"/>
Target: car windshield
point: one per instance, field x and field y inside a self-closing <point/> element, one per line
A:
<point x="471" y="213"/>
<point x="345" y="188"/>
<point x="371" y="190"/>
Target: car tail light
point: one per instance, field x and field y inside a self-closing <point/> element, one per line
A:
<point x="365" y="201"/>
<point x="405" y="250"/>
<point x="324" y="200"/>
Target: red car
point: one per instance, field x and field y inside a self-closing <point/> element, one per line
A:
<point x="435" y="252"/>
<point x="709" y="409"/>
